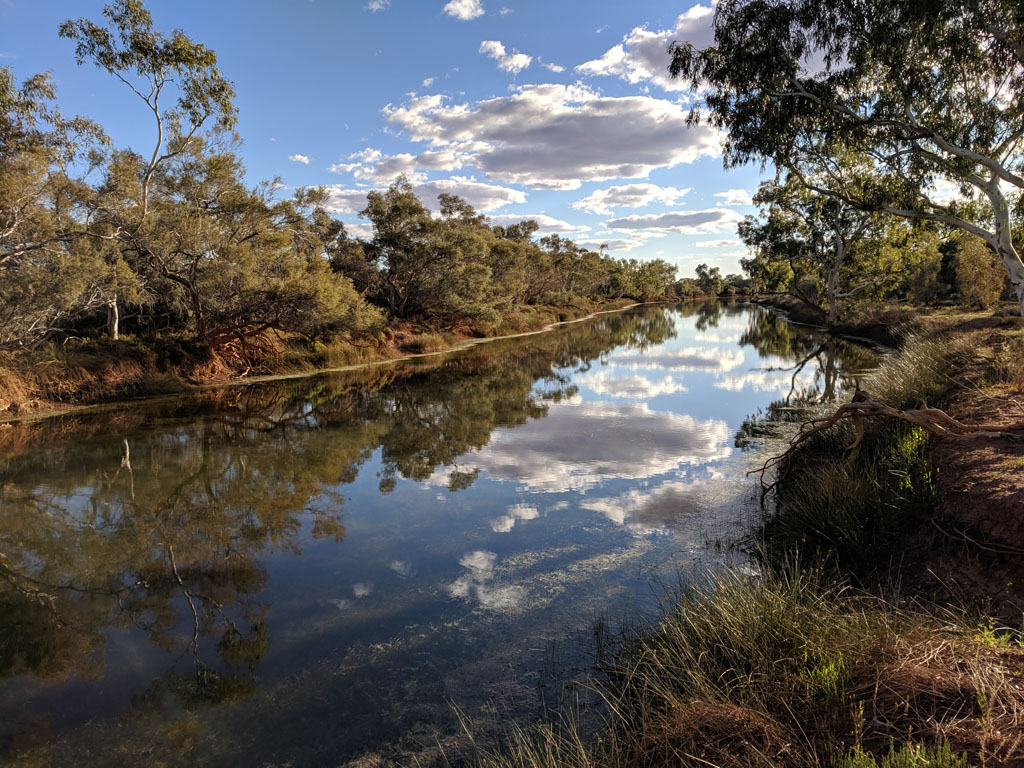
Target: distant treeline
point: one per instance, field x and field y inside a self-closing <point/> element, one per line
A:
<point x="172" y="241"/>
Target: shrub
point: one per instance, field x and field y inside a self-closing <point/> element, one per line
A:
<point x="1009" y="362"/>
<point x="980" y="276"/>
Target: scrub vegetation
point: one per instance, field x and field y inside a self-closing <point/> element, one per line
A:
<point x="207" y="277"/>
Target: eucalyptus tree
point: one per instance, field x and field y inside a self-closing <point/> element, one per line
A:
<point x="815" y="234"/>
<point x="930" y="92"/>
<point x="709" y="279"/>
<point x="157" y="69"/>
<point x="50" y="249"/>
<point x="239" y="260"/>
<point x="429" y="267"/>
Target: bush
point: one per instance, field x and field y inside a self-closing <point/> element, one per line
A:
<point x="853" y="511"/>
<point x="427" y="342"/>
<point x="1009" y="363"/>
<point x="980" y="276"/>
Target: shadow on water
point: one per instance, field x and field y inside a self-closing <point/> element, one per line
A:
<point x="140" y="548"/>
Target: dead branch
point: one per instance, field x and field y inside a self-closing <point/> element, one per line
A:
<point x="863" y="406"/>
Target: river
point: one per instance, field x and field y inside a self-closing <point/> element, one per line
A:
<point x="306" y="571"/>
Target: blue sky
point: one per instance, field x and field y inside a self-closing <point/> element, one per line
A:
<point x="561" y="111"/>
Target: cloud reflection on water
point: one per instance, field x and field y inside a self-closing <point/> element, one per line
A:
<point x="476" y="584"/>
<point x="581" y="444"/>
<point x="685" y="359"/>
<point x="630" y="387"/>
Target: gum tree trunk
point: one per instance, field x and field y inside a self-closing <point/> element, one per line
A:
<point x="1001" y="241"/>
<point x="113" y="320"/>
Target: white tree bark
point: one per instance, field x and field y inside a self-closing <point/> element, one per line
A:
<point x="1000" y="240"/>
<point x="113" y="320"/>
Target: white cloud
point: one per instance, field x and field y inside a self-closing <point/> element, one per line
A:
<point x="553" y="136"/>
<point x="614" y="243"/>
<point x="483" y="197"/>
<point x="299" y="159"/>
<point x="505" y="11"/>
<point x="718" y="244"/>
<point x="362" y="589"/>
<point x="371" y="166"/>
<point x="736" y="197"/>
<point x="464" y="10"/>
<point x="378" y="5"/>
<point x="341" y="200"/>
<point x="402" y="567"/>
<point x="628" y="196"/>
<point x="480" y="560"/>
<point x="686" y="222"/>
<point x="475" y="583"/>
<point x="643" y="54"/>
<point x="548" y="224"/>
<point x="360" y="229"/>
<point x="552" y="67"/>
<point x="666" y="506"/>
<point x="944" y="191"/>
<point x="514" y="62"/>
<point x="780" y="382"/>
<point x="428" y="82"/>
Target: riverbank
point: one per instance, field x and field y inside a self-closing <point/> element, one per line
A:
<point x="883" y="628"/>
<point x="60" y="378"/>
<point x="885" y="324"/>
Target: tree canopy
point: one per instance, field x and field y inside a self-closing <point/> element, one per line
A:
<point x="929" y="96"/>
<point x="173" y="239"/>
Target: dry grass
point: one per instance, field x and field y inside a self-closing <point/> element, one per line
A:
<point x="786" y="670"/>
<point x="1009" y="362"/>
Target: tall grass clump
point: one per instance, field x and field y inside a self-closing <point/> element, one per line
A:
<point x="786" y="669"/>
<point x="428" y="342"/>
<point x="1009" y="362"/>
<point x="851" y="509"/>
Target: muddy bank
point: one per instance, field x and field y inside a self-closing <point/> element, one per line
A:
<point x="970" y="551"/>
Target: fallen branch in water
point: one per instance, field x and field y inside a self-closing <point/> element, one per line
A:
<point x="863" y="406"/>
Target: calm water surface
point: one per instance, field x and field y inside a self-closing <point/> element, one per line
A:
<point x="310" y="571"/>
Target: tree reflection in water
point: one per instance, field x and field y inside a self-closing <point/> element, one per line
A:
<point x="135" y="543"/>
<point x="817" y="365"/>
<point x="160" y="530"/>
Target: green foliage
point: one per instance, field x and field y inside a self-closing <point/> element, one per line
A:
<point x="851" y="511"/>
<point x="979" y="275"/>
<point x="916" y="95"/>
<point x="709" y="280"/>
<point x="907" y="755"/>
<point x="173" y="241"/>
<point x="1009" y="362"/>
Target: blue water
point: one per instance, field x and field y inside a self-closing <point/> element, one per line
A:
<point x="317" y="570"/>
